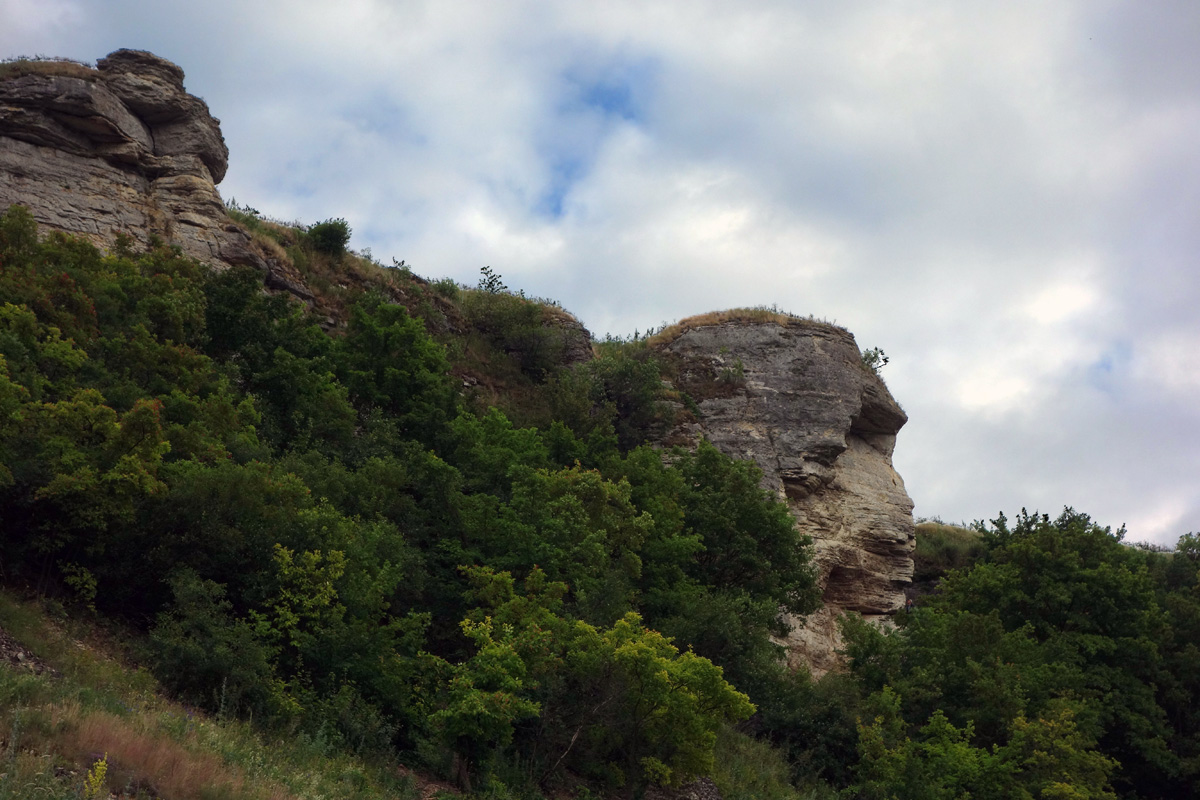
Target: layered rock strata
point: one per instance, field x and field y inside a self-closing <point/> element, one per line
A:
<point x="796" y="399"/>
<point x="121" y="149"/>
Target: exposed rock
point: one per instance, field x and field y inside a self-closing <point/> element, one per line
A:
<point x="123" y="149"/>
<point x="18" y="656"/>
<point x="699" y="789"/>
<point x="576" y="340"/>
<point x="796" y="399"/>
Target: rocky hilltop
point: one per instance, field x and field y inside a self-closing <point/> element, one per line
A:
<point x="794" y="396"/>
<point x="121" y="149"/>
<point x="124" y="149"/>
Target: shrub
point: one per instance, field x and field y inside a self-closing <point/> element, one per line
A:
<point x="207" y="655"/>
<point x="447" y="288"/>
<point x="330" y="237"/>
<point x="517" y="326"/>
<point x="874" y="359"/>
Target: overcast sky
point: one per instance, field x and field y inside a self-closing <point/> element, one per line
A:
<point x="1004" y="196"/>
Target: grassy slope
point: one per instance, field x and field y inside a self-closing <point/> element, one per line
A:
<point x="490" y="373"/>
<point x="54" y="728"/>
<point x="941" y="548"/>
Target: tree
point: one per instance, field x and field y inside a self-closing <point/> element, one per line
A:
<point x="619" y="703"/>
<point x="750" y="539"/>
<point x="388" y="361"/>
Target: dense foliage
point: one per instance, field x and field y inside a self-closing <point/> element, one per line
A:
<point x="319" y="531"/>
<point x="1062" y="665"/>
<point x="313" y="529"/>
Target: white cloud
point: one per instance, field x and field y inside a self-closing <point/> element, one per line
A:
<point x="24" y="19"/>
<point x="1003" y="196"/>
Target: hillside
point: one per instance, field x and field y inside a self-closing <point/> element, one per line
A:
<point x="344" y="511"/>
<point x="123" y="154"/>
<point x="316" y="530"/>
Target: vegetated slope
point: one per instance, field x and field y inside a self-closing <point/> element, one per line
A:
<point x="311" y="515"/>
<point x="502" y="346"/>
<point x="314" y="529"/>
<point x="940" y="548"/>
<point x="79" y="721"/>
<point x="317" y="530"/>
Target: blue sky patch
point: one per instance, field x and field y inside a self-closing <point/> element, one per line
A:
<point x="595" y="98"/>
<point x="618" y="89"/>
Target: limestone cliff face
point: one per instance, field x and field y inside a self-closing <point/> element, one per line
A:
<point x="121" y="149"/>
<point x="796" y="399"/>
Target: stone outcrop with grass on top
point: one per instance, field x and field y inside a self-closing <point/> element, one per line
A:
<point x="121" y="149"/>
<point x="794" y="396"/>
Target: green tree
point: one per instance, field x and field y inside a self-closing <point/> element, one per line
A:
<point x="1089" y="602"/>
<point x="388" y="361"/>
<point x="619" y="703"/>
<point x="750" y="540"/>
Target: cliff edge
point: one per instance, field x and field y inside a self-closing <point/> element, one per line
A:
<point x="794" y="396"/>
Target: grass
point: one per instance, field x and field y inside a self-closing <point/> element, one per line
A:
<point x="57" y="732"/>
<point x="942" y="547"/>
<point x="336" y="281"/>
<point x="54" y="730"/>
<point x="42" y="65"/>
<point x="753" y="315"/>
<point x="751" y="769"/>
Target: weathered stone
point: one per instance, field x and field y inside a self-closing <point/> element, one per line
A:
<point x="87" y="197"/>
<point x="147" y="67"/>
<point x="800" y="404"/>
<point x="86" y="107"/>
<point x="123" y="149"/>
<point x="577" y="341"/>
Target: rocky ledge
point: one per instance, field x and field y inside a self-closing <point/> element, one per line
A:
<point x="121" y="149"/>
<point x="794" y="397"/>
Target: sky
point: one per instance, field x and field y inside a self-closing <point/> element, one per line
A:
<point x="1003" y="196"/>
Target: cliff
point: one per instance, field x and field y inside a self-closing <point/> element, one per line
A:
<point x="122" y="149"/>
<point x="793" y="396"/>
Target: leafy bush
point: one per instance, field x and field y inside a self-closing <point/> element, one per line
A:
<point x="330" y="237"/>
<point x="874" y="359"/>
<point x="207" y="655"/>
<point x="518" y="327"/>
<point x="447" y="288"/>
<point x="626" y="382"/>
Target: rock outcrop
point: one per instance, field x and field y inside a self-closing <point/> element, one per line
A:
<point x="121" y="149"/>
<point x="794" y="397"/>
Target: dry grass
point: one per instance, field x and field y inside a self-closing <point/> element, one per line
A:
<point x="54" y="729"/>
<point x="151" y="761"/>
<point x="556" y="315"/>
<point x="942" y="547"/>
<point x="755" y="315"/>
<point x="268" y="247"/>
<point x="20" y="67"/>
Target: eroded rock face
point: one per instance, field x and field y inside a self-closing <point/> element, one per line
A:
<point x="797" y="401"/>
<point x="121" y="149"/>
